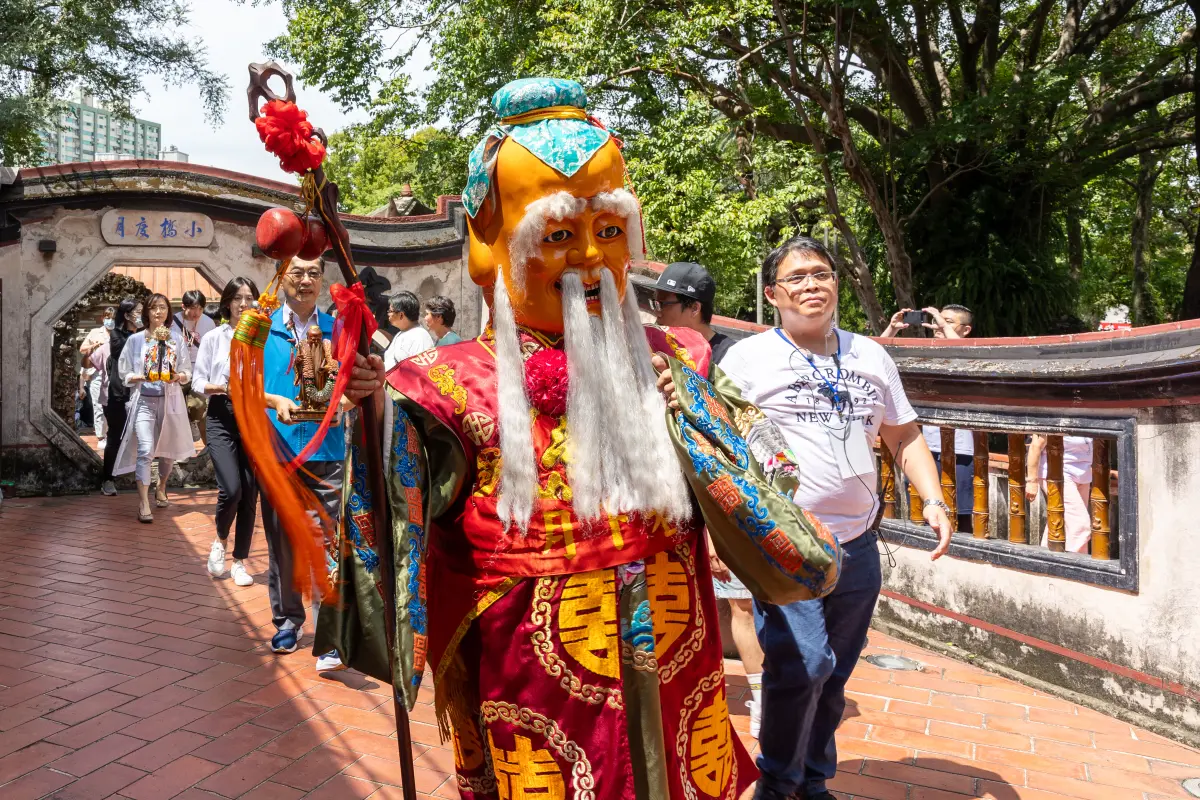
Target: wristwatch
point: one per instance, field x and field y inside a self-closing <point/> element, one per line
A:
<point x="937" y="502"/>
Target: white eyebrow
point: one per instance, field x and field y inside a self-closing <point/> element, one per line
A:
<point x="525" y="241"/>
<point x="624" y="204"/>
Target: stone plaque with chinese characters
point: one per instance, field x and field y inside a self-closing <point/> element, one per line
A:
<point x="156" y="228"/>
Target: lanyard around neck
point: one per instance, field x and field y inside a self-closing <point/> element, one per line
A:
<point x="835" y="396"/>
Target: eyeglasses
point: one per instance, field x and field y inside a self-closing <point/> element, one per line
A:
<point x="300" y="274"/>
<point x="800" y="279"/>
<point x="659" y="305"/>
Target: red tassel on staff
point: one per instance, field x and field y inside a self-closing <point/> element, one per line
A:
<point x="301" y="515"/>
<point x="353" y="313"/>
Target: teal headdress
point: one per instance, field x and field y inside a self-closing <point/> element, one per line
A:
<point x="546" y="116"/>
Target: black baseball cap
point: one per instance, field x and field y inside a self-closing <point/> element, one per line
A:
<point x="687" y="279"/>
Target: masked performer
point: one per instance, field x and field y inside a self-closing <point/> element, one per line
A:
<point x="545" y="515"/>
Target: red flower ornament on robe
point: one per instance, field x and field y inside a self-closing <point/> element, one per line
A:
<point x="546" y="381"/>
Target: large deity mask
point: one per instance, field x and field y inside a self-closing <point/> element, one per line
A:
<point x="552" y="230"/>
<point x="545" y="196"/>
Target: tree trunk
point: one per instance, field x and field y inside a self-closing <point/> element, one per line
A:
<point x="1147" y="175"/>
<point x="1074" y="243"/>
<point x="899" y="263"/>
<point x="1191" y="288"/>
<point x="855" y="268"/>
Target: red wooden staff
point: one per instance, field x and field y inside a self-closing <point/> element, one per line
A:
<point x="286" y="132"/>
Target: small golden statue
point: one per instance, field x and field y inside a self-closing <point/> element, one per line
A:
<point x="163" y="358"/>
<point x="316" y="373"/>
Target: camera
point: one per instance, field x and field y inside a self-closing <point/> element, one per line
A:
<point x="915" y="318"/>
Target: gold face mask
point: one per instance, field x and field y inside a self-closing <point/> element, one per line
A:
<point x="590" y="241"/>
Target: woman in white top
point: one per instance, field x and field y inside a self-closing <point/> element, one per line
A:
<point x="1077" y="486"/>
<point x="154" y="363"/>
<point x="237" y="493"/>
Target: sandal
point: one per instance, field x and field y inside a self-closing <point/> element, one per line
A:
<point x="146" y="518"/>
<point x="161" y="502"/>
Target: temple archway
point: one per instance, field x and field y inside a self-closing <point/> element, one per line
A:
<point x="64" y="228"/>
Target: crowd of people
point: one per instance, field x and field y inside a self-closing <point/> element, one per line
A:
<point x="158" y="380"/>
<point x="152" y="372"/>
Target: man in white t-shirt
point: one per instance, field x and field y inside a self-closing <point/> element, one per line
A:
<point x="831" y="393"/>
<point x="403" y="311"/>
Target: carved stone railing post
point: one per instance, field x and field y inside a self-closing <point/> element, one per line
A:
<point x="887" y="479"/>
<point x="1017" y="532"/>
<point x="949" y="459"/>
<point x="982" y="485"/>
<point x="1101" y="544"/>
<point x="1056" y="538"/>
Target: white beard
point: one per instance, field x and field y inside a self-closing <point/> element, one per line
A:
<point x="620" y="458"/>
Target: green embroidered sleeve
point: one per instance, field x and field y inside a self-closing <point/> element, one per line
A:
<point x="424" y="471"/>
<point x="743" y="476"/>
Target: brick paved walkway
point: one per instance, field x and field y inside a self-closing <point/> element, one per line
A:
<point x="126" y="672"/>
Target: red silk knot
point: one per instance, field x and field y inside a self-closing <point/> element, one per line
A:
<point x="285" y="130"/>
<point x="353" y="311"/>
<point x="546" y="381"/>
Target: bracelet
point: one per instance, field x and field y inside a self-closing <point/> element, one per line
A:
<point x="939" y="503"/>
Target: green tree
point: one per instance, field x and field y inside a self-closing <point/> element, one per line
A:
<point x="1107" y="278"/>
<point x="370" y="167"/>
<point x="102" y="48"/>
<point x="955" y="145"/>
<point x="714" y="193"/>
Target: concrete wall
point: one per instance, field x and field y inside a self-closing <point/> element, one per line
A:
<point x="1154" y="631"/>
<point x="450" y="278"/>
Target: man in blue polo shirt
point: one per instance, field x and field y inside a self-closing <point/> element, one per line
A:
<point x="301" y="285"/>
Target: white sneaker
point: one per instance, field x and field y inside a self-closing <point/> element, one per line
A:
<point x="216" y="559"/>
<point x="239" y="574"/>
<point x="330" y="662"/>
<point x="755" y="717"/>
<point x="101" y="443"/>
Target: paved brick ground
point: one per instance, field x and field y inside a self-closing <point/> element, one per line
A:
<point x="126" y="672"/>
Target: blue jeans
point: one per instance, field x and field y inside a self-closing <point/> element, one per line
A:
<point x="810" y="649"/>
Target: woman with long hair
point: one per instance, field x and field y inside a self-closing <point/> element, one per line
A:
<point x="128" y="322"/>
<point x="154" y="364"/>
<point x="237" y="493"/>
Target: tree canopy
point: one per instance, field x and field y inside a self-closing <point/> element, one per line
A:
<point x="1033" y="160"/>
<point x="371" y="168"/>
<point x="104" y="49"/>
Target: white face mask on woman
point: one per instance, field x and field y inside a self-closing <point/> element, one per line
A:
<point x="108" y="323"/>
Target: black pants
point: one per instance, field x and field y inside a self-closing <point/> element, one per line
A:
<point x="287" y="604"/>
<point x="114" y="413"/>
<point x="237" y="492"/>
